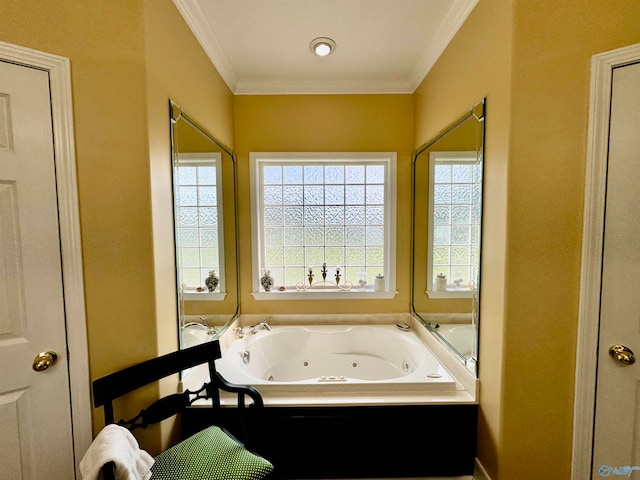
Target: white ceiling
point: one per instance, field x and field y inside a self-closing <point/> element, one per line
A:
<point x="383" y="46"/>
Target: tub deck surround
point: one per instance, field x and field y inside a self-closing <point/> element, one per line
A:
<point x="433" y="376"/>
<point x="326" y="319"/>
<point x="342" y="357"/>
<point x="451" y="362"/>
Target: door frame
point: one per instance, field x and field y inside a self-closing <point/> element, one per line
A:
<point x="602" y="66"/>
<point x="59" y="71"/>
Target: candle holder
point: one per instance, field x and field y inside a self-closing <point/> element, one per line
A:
<point x="323" y="284"/>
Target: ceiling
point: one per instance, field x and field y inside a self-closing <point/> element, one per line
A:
<point x="382" y="46"/>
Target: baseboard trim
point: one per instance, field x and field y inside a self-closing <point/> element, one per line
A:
<point x="479" y="473"/>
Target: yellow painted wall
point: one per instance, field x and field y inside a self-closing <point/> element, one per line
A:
<point x="325" y="123"/>
<point x="531" y="60"/>
<point x="476" y="64"/>
<point x="552" y="49"/>
<point x="105" y="44"/>
<point x="176" y="68"/>
<point x="125" y="56"/>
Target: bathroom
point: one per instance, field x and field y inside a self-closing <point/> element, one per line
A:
<point x="391" y="132"/>
<point x="529" y="59"/>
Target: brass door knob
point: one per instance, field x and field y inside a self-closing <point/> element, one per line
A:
<point x="44" y="360"/>
<point x="622" y="354"/>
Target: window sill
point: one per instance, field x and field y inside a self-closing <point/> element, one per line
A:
<point x="460" y="293"/>
<point x="204" y="296"/>
<point x="324" y="295"/>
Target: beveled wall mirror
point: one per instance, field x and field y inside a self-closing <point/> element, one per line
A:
<point x="447" y="232"/>
<point x="205" y="226"/>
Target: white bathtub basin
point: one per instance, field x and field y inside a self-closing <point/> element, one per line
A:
<point x="333" y="357"/>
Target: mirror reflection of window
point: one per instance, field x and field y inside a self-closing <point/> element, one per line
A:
<point x="198" y="199"/>
<point x="203" y="177"/>
<point x="447" y="232"/>
<point x="455" y="193"/>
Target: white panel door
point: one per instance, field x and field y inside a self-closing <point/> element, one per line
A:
<point x="35" y="414"/>
<point x="616" y="450"/>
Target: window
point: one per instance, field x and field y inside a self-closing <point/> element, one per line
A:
<point x="198" y="200"/>
<point x="324" y="224"/>
<point x="454" y="223"/>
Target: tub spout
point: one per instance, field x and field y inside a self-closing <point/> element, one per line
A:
<point x="253" y="330"/>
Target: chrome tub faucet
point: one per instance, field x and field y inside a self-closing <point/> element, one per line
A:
<point x="264" y="325"/>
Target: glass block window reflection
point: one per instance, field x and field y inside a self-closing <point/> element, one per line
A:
<point x="319" y="211"/>
<point x="455" y="214"/>
<point x="197" y="203"/>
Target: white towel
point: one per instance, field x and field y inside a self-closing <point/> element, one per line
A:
<point x="116" y="444"/>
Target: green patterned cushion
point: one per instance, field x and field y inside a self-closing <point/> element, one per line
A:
<point x="210" y="454"/>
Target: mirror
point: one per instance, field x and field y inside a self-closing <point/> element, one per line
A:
<point x="205" y="227"/>
<point x="447" y="232"/>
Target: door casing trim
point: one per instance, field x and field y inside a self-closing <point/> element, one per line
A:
<point x="602" y="66"/>
<point x="59" y="71"/>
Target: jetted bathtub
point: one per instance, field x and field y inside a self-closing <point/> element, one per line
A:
<point x="349" y="401"/>
<point x="334" y="358"/>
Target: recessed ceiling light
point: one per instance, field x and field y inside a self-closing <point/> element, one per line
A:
<point x="322" y="46"/>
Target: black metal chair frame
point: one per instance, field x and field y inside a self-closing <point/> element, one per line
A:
<point x="110" y="387"/>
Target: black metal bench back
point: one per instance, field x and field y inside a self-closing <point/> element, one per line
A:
<point x="117" y="384"/>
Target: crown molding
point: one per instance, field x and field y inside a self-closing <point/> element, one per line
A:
<point x="257" y="86"/>
<point x="446" y="30"/>
<point x="204" y="32"/>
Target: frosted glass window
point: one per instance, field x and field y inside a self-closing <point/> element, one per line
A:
<point x="454" y="218"/>
<point x="197" y="199"/>
<point x="312" y="209"/>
